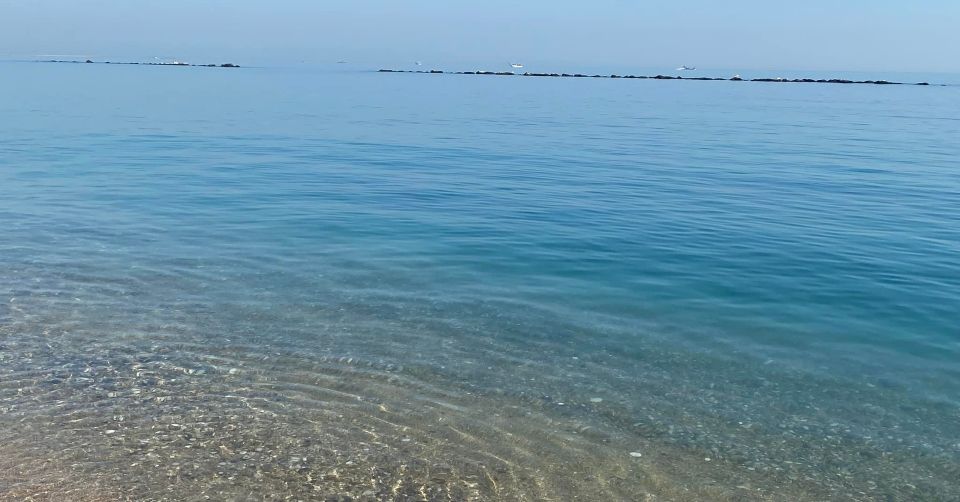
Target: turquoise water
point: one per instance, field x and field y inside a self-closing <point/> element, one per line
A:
<point x="267" y="282"/>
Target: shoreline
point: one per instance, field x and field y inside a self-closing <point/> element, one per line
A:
<point x="658" y="77"/>
<point x="223" y="422"/>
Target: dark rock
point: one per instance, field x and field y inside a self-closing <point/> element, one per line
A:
<point x="88" y="61"/>
<point x="923" y="83"/>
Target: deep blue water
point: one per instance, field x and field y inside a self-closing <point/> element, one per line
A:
<point x="695" y="254"/>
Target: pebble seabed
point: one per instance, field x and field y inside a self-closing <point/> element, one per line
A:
<point x="94" y="407"/>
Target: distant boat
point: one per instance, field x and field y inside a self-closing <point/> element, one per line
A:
<point x="418" y="63"/>
<point x="517" y="65"/>
<point x="687" y="68"/>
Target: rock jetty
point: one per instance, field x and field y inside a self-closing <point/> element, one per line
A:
<point x="175" y="63"/>
<point x="656" y="77"/>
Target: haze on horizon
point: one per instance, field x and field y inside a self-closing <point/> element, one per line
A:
<point x="856" y="35"/>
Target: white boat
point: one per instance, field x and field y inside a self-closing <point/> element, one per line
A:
<point x="517" y="65"/>
<point x="686" y="68"/>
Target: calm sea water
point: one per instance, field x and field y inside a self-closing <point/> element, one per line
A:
<point x="264" y="282"/>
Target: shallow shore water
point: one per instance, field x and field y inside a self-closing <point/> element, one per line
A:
<point x="399" y="289"/>
<point x="87" y="410"/>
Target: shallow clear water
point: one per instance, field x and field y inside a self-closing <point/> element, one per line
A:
<point x="271" y="282"/>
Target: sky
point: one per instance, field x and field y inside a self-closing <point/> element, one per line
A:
<point x="850" y="35"/>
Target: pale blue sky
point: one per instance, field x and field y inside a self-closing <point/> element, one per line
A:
<point x="871" y="35"/>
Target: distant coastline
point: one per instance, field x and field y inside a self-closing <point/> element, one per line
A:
<point x="657" y="77"/>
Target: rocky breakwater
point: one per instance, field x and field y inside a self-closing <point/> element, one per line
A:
<point x="174" y="63"/>
<point x="655" y="77"/>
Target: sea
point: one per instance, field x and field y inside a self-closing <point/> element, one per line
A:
<point x="329" y="283"/>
